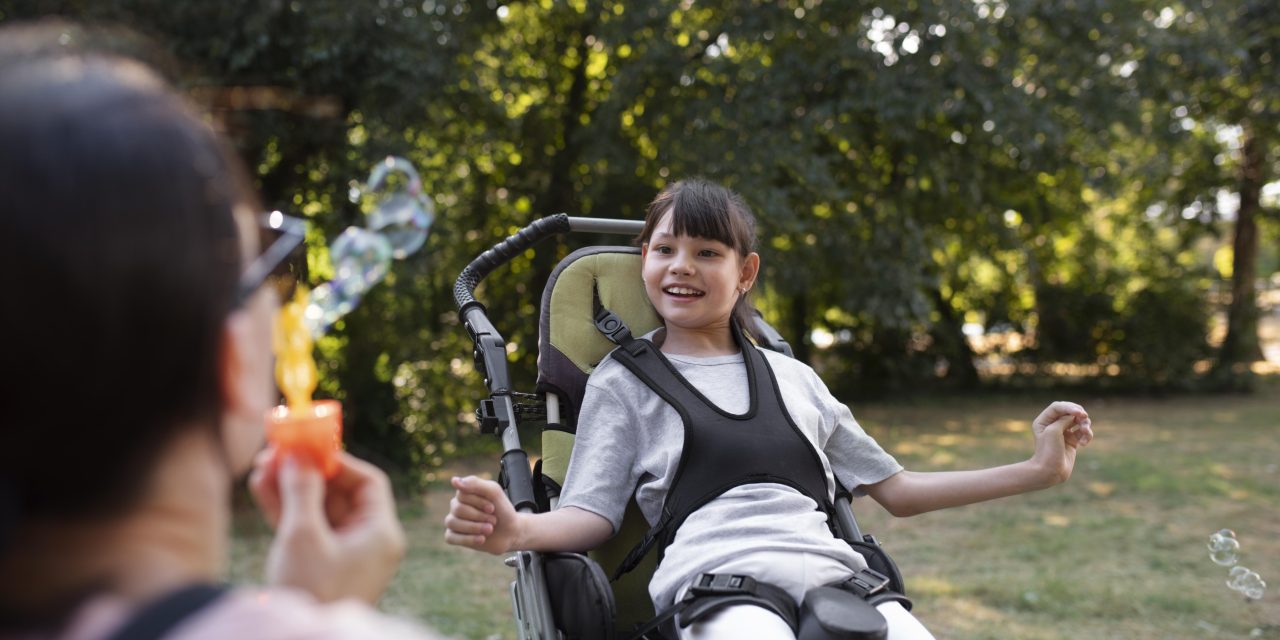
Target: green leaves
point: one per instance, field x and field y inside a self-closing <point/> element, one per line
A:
<point x="914" y="166"/>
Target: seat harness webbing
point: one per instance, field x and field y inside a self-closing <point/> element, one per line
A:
<point x="763" y="445"/>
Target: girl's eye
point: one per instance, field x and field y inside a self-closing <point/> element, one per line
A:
<point x="708" y="253"/>
<point x="663" y="249"/>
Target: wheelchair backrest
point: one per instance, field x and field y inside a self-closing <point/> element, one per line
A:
<point x="569" y="348"/>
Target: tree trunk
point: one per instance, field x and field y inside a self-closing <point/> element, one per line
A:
<point x="798" y="329"/>
<point x="948" y="334"/>
<point x="1241" y="343"/>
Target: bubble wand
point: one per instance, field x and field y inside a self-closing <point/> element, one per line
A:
<point x="361" y="257"/>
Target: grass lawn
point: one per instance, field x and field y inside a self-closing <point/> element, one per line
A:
<point x="1117" y="552"/>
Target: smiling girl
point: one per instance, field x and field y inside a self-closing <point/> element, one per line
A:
<point x="699" y="263"/>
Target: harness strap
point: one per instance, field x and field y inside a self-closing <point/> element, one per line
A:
<point x="726" y="446"/>
<point x="158" y="618"/>
<point x="641" y="549"/>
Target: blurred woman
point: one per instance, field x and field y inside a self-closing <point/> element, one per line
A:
<point x="137" y="372"/>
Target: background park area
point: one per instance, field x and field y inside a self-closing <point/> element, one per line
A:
<point x="967" y="208"/>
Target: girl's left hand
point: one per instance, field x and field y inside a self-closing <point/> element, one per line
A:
<point x="1061" y="429"/>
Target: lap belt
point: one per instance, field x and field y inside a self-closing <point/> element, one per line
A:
<point x="712" y="592"/>
<point x="828" y="612"/>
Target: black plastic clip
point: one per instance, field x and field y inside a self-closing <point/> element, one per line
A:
<point x="722" y="584"/>
<point x="866" y="583"/>
<point x="487" y="415"/>
<point x="612" y="326"/>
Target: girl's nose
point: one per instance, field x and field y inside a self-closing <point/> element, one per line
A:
<point x="682" y="264"/>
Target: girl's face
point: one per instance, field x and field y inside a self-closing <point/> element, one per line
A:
<point x="693" y="283"/>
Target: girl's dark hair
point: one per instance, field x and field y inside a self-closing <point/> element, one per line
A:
<point x="120" y="255"/>
<point x="703" y="209"/>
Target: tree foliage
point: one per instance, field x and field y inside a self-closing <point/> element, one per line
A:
<point x="917" y="167"/>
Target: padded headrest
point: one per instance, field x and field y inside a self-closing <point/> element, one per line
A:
<point x="569" y="345"/>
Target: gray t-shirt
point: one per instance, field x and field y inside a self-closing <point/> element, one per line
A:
<point x="629" y="440"/>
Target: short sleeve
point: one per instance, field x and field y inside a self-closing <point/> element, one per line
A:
<point x="602" y="472"/>
<point x="856" y="458"/>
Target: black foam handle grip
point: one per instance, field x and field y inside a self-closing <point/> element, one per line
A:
<point x="519" y="480"/>
<point x="465" y="286"/>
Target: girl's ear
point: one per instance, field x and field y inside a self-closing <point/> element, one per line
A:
<point x="750" y="269"/>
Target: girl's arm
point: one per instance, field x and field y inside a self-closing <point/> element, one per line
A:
<point x="1060" y="430"/>
<point x="481" y="517"/>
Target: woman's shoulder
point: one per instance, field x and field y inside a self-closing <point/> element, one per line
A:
<point x="271" y="613"/>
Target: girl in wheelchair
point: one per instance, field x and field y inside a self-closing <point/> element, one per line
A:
<point x="733" y="453"/>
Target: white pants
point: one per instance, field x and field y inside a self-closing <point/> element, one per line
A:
<point x="795" y="573"/>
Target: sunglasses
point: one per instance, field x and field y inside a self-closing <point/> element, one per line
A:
<point x="280" y="263"/>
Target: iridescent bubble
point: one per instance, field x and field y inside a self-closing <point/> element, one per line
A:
<point x="361" y="258"/>
<point x="1247" y="582"/>
<point x="1224" y="548"/>
<point x="324" y="306"/>
<point x="405" y="221"/>
<point x="404" y="214"/>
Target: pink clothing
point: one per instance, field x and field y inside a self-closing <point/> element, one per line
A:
<point x="252" y="613"/>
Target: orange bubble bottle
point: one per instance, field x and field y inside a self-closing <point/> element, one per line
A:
<point x="310" y="430"/>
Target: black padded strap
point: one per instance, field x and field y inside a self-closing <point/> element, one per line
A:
<point x="712" y="592"/>
<point x="156" y="619"/>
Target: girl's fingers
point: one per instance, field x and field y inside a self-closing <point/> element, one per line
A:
<point x="467" y="527"/>
<point x="468" y="512"/>
<point x="461" y="540"/>
<point x="475" y="492"/>
<point x="477" y="502"/>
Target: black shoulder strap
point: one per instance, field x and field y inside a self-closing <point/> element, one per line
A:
<point x="156" y="619"/>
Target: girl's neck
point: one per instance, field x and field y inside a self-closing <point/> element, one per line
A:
<point x="699" y="342"/>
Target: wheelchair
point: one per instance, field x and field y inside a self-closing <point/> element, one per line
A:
<point x="564" y="596"/>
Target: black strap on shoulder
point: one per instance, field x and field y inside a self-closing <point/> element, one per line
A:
<point x="712" y="592"/>
<point x="159" y="617"/>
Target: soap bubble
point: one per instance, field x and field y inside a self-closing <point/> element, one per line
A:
<point x="1247" y="582"/>
<point x="405" y="220"/>
<point x="404" y="214"/>
<point x="361" y="259"/>
<point x="1224" y="548"/>
<point x="325" y="305"/>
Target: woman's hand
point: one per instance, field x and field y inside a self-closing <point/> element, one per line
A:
<point x="1061" y="429"/>
<point x="481" y="517"/>
<point x="335" y="539"/>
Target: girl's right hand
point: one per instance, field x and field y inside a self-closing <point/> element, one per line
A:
<point x="481" y="517"/>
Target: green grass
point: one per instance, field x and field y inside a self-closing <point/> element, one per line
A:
<point x="1117" y="552"/>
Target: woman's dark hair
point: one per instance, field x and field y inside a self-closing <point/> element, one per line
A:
<point x="704" y="209"/>
<point x="120" y="255"/>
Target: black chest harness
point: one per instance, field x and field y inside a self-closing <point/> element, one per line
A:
<point x="763" y="445"/>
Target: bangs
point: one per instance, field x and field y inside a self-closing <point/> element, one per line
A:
<point x="702" y="209"/>
<point x="699" y="214"/>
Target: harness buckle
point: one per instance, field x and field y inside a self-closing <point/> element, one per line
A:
<point x="722" y="584"/>
<point x="866" y="583"/>
<point x="608" y="323"/>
